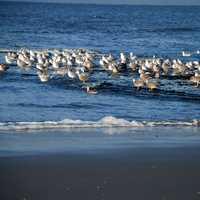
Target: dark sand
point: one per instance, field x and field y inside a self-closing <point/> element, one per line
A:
<point x="137" y="173"/>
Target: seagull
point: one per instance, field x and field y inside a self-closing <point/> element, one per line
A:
<point x="3" y="68"/>
<point x="186" y="54"/>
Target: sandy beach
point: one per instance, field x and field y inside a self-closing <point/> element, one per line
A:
<point x="138" y="173"/>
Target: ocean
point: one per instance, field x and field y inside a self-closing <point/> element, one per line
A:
<point x="26" y="104"/>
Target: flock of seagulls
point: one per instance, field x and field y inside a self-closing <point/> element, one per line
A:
<point x="79" y="64"/>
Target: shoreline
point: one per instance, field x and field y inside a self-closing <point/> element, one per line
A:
<point x="134" y="173"/>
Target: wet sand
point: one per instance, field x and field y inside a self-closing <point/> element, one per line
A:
<point x="133" y="173"/>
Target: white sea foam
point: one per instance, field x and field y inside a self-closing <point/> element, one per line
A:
<point x="106" y="122"/>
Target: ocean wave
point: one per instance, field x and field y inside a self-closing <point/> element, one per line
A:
<point x="106" y="122"/>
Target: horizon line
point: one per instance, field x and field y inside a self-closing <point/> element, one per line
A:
<point x="87" y="3"/>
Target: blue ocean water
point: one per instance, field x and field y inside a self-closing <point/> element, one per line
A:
<point x="146" y="31"/>
<point x="163" y="31"/>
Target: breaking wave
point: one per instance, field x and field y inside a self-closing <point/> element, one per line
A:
<point x="106" y="122"/>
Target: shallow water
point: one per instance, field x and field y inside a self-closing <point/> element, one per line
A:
<point x="94" y="141"/>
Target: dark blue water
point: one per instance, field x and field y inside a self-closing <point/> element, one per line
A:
<point x="146" y="31"/>
<point x="141" y="29"/>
